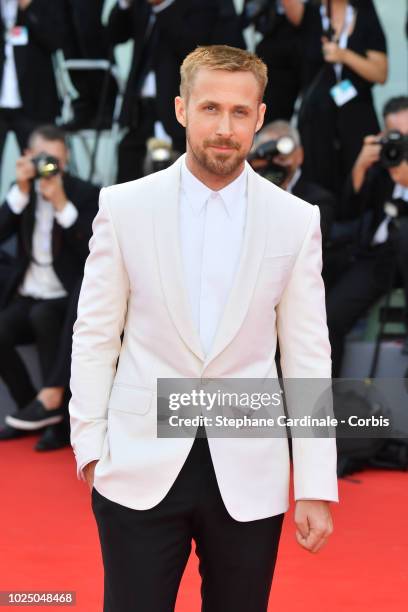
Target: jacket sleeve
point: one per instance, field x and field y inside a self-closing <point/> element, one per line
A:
<point x="96" y="346"/>
<point x="120" y="26"/>
<point x="9" y="222"/>
<point x="306" y="354"/>
<point x="77" y="235"/>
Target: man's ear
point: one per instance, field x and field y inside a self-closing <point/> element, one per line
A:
<point x="180" y="108"/>
<point x="261" y="116"/>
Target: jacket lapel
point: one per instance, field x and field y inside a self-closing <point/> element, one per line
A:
<point x="253" y="248"/>
<point x="167" y="235"/>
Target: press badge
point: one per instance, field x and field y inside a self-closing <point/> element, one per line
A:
<point x="17" y="36"/>
<point x="343" y="92"/>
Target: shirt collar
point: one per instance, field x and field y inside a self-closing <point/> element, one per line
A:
<point x="197" y="193"/>
<point x="400" y="192"/>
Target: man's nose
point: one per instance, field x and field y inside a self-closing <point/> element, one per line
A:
<point x="224" y="127"/>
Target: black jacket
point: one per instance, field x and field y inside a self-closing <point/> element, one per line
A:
<point x="34" y="66"/>
<point x="85" y="35"/>
<point x="69" y="246"/>
<point x="368" y="203"/>
<point x="180" y="28"/>
<point x="315" y="194"/>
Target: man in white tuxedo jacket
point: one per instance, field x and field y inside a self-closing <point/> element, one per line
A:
<point x="202" y="266"/>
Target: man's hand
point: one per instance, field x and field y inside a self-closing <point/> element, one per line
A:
<point x="314" y="523"/>
<point x="369" y="155"/>
<point x="52" y="189"/>
<point x="23" y="4"/>
<point x="25" y="172"/>
<point x="88" y="472"/>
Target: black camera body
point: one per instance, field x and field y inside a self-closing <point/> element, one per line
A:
<point x="394" y="149"/>
<point x="262" y="159"/>
<point x="45" y="166"/>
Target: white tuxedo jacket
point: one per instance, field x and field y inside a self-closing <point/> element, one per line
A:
<point x="133" y="282"/>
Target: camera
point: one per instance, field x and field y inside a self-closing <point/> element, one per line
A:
<point x="45" y="166"/>
<point x="262" y="159"/>
<point x="394" y="149"/>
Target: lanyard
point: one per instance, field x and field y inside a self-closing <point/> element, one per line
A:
<point x="344" y="34"/>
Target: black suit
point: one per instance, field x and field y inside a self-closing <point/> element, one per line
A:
<point x="372" y="272"/>
<point x="87" y="38"/>
<point x="48" y="322"/>
<point x="315" y="194"/>
<point x="177" y="31"/>
<point x="35" y="73"/>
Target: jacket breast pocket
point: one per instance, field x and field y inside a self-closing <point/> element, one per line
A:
<point x="130" y="399"/>
<point x="275" y="271"/>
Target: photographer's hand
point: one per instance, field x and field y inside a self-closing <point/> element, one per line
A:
<point x="332" y="53"/>
<point x="52" y="189"/>
<point x="25" y="172"/>
<point x="369" y="155"/>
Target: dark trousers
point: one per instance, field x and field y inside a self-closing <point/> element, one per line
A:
<point x="15" y="120"/>
<point x="365" y="282"/>
<point x="23" y="321"/>
<point x="145" y="551"/>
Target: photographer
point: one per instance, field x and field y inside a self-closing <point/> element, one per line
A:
<point x="278" y="155"/>
<point x="164" y="32"/>
<point x="377" y="193"/>
<point x="344" y="55"/>
<point x="51" y="214"/>
<point x="30" y="31"/>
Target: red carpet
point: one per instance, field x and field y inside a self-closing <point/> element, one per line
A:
<point x="49" y="542"/>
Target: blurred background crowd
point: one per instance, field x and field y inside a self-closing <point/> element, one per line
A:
<point x="86" y="99"/>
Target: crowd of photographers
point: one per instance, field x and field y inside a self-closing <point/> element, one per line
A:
<point x="327" y="54"/>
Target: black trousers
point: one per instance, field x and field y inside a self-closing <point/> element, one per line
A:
<point x="145" y="552"/>
<point x="23" y="321"/>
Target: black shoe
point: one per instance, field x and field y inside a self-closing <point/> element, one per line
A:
<point x="54" y="437"/>
<point x="10" y="433"/>
<point x="34" y="416"/>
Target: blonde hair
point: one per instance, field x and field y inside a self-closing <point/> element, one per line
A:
<point x="221" y="57"/>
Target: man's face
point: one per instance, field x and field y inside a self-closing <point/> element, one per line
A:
<point x="221" y="116"/>
<point x="55" y="149"/>
<point x="398" y="121"/>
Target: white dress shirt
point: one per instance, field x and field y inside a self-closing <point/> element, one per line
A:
<point x="40" y="280"/>
<point x="9" y="92"/>
<point x="211" y="231"/>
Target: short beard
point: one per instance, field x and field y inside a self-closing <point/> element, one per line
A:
<point x="221" y="165"/>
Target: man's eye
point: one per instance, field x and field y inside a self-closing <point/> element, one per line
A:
<point x="210" y="107"/>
